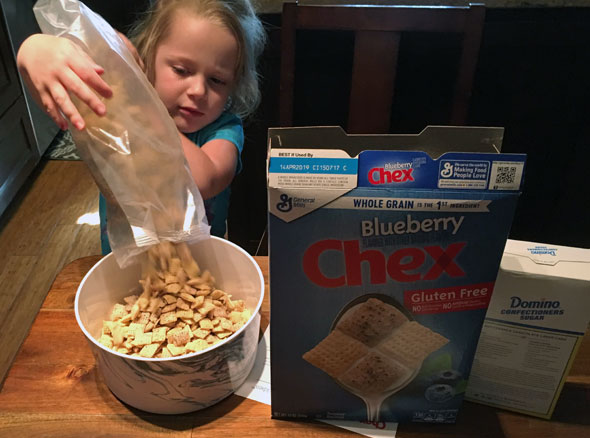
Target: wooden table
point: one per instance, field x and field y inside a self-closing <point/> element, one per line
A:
<point x="54" y="390"/>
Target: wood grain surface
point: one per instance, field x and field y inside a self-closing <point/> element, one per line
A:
<point x="41" y="232"/>
<point x="53" y="389"/>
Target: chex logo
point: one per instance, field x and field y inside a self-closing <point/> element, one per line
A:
<point x="403" y="265"/>
<point x="391" y="173"/>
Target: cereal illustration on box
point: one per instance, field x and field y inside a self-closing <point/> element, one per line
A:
<point x="383" y="258"/>
<point x="374" y="351"/>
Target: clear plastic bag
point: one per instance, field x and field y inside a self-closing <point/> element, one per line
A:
<point x="134" y="151"/>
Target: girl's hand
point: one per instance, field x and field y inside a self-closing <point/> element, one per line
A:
<point x="52" y="68"/>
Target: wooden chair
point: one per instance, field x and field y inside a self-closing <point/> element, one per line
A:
<point x="377" y="32"/>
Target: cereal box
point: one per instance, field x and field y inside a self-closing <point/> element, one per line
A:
<point x="383" y="255"/>
<point x="533" y="328"/>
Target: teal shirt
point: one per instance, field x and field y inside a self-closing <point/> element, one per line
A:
<point x="227" y="127"/>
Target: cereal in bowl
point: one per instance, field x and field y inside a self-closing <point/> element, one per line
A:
<point x="178" y="311"/>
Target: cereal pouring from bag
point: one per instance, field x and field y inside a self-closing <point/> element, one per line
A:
<point x="178" y="311"/>
<point x="133" y="152"/>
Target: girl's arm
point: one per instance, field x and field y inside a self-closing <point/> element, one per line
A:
<point x="213" y="165"/>
<point x="52" y="68"/>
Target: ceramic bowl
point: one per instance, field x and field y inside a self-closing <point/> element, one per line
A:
<point x="185" y="383"/>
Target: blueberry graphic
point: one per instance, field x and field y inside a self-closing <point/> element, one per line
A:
<point x="449" y="377"/>
<point x="439" y="393"/>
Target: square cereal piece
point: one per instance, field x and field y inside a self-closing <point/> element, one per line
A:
<point x="136" y="329"/>
<point x="134" y="326"/>
<point x="176" y="351"/>
<point x="203" y="290"/>
<point x="206" y="308"/>
<point x="169" y="308"/>
<point x="173" y="288"/>
<point x="149" y="350"/>
<point x="155" y="304"/>
<point x="374" y="374"/>
<point x="106" y="340"/>
<point x="206" y="324"/>
<point x="189" y="290"/>
<point x="197" y="345"/>
<point x="149" y="326"/>
<point x="144" y="318"/>
<point x="182" y="304"/>
<point x="118" y="312"/>
<point x="371" y="321"/>
<point x="170" y="299"/>
<point x="212" y="339"/>
<point x="159" y="334"/>
<point x="335" y="353"/>
<point x="179" y="336"/>
<point x="187" y="297"/>
<point x="219" y="312"/>
<point x="411" y="344"/>
<point x="184" y="314"/>
<point x="240" y="317"/>
<point x="200" y="333"/>
<point x="107" y="327"/>
<point x="199" y="301"/>
<point x="168" y="318"/>
<point x="143" y="339"/>
<point x="225" y="324"/>
<point x="119" y="332"/>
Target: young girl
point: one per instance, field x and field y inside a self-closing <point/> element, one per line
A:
<point x="200" y="56"/>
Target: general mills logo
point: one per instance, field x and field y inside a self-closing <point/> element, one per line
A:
<point x="286" y="204"/>
<point x="447" y="170"/>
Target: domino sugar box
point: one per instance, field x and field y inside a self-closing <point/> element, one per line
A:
<point x="383" y="255"/>
<point x="533" y="328"/>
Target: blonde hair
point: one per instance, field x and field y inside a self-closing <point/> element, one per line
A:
<point x="238" y="16"/>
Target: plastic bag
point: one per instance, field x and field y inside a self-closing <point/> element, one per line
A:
<point x="133" y="152"/>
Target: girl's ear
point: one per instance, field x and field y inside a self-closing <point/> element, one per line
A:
<point x="228" y="103"/>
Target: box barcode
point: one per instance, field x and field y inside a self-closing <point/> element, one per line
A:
<point x="506" y="175"/>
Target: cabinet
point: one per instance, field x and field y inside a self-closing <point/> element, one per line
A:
<point x="18" y="149"/>
<point x="21" y="23"/>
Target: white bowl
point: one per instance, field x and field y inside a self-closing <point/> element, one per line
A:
<point x="179" y="384"/>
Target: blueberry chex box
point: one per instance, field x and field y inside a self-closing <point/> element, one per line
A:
<point x="384" y="251"/>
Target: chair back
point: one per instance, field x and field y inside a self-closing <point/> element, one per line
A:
<point x="377" y="31"/>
